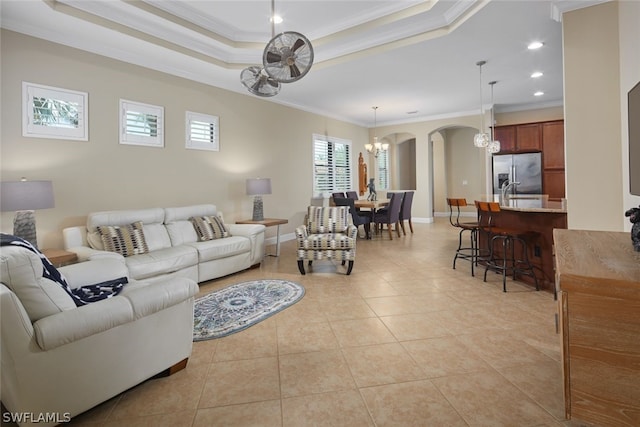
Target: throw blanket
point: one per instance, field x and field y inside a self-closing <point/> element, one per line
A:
<point x="81" y="296"/>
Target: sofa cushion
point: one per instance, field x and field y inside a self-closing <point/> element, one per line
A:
<point x="179" y="228"/>
<point x="161" y="261"/>
<point x="209" y="227"/>
<point x="21" y="271"/>
<point x="221" y="248"/>
<point x="126" y="240"/>
<point x="155" y="233"/>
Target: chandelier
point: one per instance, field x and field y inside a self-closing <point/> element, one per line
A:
<point x="481" y="139"/>
<point x="377" y="147"/>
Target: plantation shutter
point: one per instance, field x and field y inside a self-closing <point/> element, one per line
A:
<point x="331" y="165"/>
<point x="383" y="170"/>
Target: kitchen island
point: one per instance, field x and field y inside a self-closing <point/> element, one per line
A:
<point x="539" y="215"/>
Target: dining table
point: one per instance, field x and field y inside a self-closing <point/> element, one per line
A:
<point x="371" y="204"/>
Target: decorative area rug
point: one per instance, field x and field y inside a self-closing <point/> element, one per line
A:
<point x="240" y="306"/>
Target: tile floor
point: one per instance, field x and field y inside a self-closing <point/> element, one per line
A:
<point x="405" y="340"/>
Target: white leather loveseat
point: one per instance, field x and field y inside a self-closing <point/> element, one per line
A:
<point x="58" y="360"/>
<point x="174" y="247"/>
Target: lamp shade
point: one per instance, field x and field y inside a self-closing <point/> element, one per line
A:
<point x="26" y="195"/>
<point x="258" y="186"/>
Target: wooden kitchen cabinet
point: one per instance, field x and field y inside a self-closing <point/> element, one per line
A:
<point x="553" y="184"/>
<point x="553" y="145"/>
<point x="524" y="138"/>
<point x="598" y="279"/>
<point x="507" y="137"/>
<point x="528" y="137"/>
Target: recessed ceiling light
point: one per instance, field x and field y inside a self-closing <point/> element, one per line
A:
<point x="535" y="45"/>
<point x="277" y="19"/>
<point x="536" y="75"/>
<point x="538" y="93"/>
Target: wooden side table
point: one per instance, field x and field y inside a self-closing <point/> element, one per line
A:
<point x="60" y="257"/>
<point x="268" y="222"/>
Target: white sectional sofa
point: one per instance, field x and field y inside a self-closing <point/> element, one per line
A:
<point x="174" y="249"/>
<point x="59" y="360"/>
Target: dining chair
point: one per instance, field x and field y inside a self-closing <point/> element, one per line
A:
<point x="389" y="215"/>
<point x="358" y="217"/>
<point x="405" y="211"/>
<point x="338" y="194"/>
<point x="352" y="195"/>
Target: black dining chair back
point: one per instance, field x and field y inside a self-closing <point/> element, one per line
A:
<point x="336" y="195"/>
<point x="405" y="211"/>
<point x="391" y="214"/>
<point x="358" y="218"/>
<point x="352" y="195"/>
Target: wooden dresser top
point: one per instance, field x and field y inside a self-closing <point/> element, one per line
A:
<point x="596" y="259"/>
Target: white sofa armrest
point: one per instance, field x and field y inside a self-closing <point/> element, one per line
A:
<point x="165" y="294"/>
<point x="72" y="325"/>
<point x="75" y="240"/>
<point x="255" y="233"/>
<point x="96" y="270"/>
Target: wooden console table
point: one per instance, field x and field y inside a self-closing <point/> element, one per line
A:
<point x="598" y="276"/>
<point x="268" y="222"/>
<point x="60" y="257"/>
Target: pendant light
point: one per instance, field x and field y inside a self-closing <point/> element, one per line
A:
<point x="481" y="139"/>
<point x="494" y="146"/>
<point x="376" y="148"/>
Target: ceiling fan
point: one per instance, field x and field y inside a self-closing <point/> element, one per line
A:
<point x="258" y="81"/>
<point x="286" y="58"/>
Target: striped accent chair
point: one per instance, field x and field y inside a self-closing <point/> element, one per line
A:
<point x="328" y="233"/>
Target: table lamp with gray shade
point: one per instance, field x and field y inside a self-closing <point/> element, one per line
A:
<point x="24" y="197"/>
<point x="257" y="187"/>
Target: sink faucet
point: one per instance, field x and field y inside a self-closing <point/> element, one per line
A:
<point x="506" y="188"/>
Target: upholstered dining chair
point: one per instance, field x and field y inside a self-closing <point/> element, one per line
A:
<point x="390" y="215"/>
<point x="328" y="233"/>
<point x="405" y="211"/>
<point x="352" y="195"/>
<point x="357" y="217"/>
<point x="338" y="194"/>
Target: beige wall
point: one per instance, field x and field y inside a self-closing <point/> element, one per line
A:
<point x="593" y="137"/>
<point x="257" y="138"/>
<point x="464" y="165"/>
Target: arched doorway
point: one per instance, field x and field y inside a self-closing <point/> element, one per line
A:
<point x="457" y="167"/>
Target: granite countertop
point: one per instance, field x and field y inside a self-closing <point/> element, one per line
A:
<point x="530" y="203"/>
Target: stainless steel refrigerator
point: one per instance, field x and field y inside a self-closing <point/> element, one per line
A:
<point x="523" y="168"/>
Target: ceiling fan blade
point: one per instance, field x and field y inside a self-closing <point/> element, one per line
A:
<point x="257" y="85"/>
<point x="273" y="57"/>
<point x="295" y="71"/>
<point x="297" y="45"/>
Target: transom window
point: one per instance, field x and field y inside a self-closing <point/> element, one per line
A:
<point x="50" y="112"/>
<point x="141" y="124"/>
<point x="202" y="132"/>
<point x="331" y="165"/>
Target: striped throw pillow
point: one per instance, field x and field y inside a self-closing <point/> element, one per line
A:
<point x="126" y="240"/>
<point x="209" y="227"/>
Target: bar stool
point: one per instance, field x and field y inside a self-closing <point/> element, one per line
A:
<point x="507" y="263"/>
<point x="470" y="253"/>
